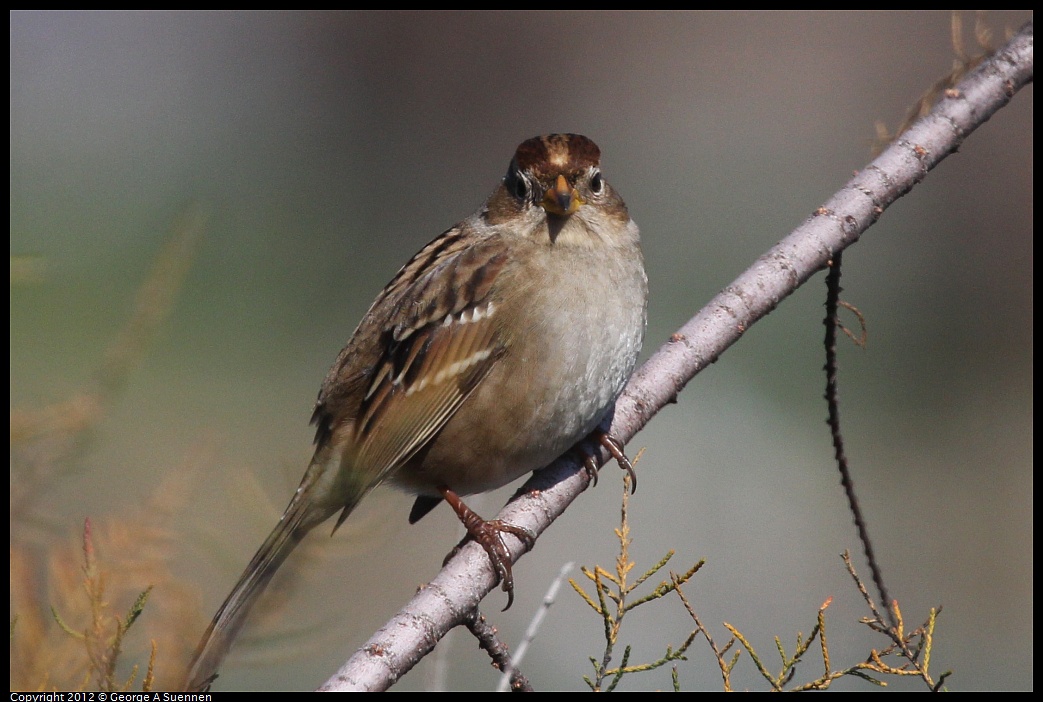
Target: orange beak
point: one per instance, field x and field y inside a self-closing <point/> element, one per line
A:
<point x="562" y="199"/>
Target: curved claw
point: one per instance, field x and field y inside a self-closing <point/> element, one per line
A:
<point x="615" y="447"/>
<point x="590" y="467"/>
<point x="488" y="534"/>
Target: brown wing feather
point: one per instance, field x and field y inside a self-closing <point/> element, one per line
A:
<point x="437" y="348"/>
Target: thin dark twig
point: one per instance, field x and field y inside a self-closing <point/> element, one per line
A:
<point x="832" y="301"/>
<point x="489" y="641"/>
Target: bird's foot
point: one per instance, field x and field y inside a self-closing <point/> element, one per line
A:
<point x="615" y="448"/>
<point x="489" y="534"/>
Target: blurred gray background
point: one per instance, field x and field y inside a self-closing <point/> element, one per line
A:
<point x="327" y="148"/>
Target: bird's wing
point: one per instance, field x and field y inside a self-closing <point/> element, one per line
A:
<point x="440" y="337"/>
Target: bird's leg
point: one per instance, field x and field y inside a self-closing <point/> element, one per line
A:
<point x="614" y="447"/>
<point x="489" y="535"/>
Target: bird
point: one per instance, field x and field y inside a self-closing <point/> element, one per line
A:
<point x="494" y="350"/>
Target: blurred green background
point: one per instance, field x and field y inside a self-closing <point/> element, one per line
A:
<point x="326" y="148"/>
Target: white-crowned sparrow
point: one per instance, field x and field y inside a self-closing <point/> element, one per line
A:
<point x="494" y="350"/>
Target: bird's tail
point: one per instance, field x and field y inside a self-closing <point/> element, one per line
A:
<point x="302" y="514"/>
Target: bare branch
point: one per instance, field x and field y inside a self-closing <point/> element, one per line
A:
<point x="834" y="226"/>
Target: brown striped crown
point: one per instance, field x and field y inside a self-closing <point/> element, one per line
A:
<point x="547" y="156"/>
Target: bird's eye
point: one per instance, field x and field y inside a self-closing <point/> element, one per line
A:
<point x="597" y="183"/>
<point x="518" y="186"/>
